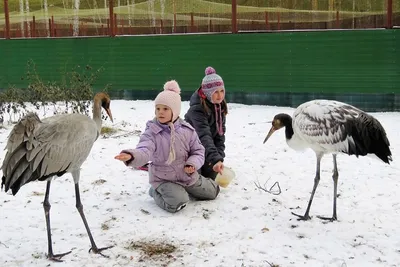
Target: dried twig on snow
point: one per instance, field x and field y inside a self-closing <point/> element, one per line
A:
<point x="270" y="190"/>
<point x="272" y="265"/>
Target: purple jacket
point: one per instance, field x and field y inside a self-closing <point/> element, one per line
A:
<point x="154" y="146"/>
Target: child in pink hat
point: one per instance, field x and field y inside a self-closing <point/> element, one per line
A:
<point x="176" y="153"/>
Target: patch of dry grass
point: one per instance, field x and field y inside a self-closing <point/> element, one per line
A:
<point x="35" y="193"/>
<point x="152" y="248"/>
<point x="99" y="182"/>
<point x="108" y="130"/>
<point x="106" y="225"/>
<point x="158" y="251"/>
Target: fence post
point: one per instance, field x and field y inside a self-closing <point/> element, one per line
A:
<point x="389" y="15"/>
<point x="53" y="26"/>
<point x="111" y="28"/>
<point x="174" y="8"/>
<point x="234" y="16"/>
<point x="279" y="20"/>
<point x="191" y="22"/>
<point x="7" y="18"/>
<point x="33" y="26"/>
<point x="337" y="20"/>
<point x="115" y="25"/>
<point x="26" y="28"/>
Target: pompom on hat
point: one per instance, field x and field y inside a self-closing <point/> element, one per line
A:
<point x="170" y="97"/>
<point x="211" y="82"/>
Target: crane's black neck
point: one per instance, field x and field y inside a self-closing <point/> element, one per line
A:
<point x="286" y="120"/>
<point x="289" y="131"/>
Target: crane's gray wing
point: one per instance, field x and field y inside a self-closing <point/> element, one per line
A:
<point x="326" y="125"/>
<point x="37" y="150"/>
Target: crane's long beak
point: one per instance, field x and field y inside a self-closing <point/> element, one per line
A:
<point x="109" y="114"/>
<point x="271" y="131"/>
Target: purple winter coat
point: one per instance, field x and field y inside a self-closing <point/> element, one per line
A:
<point x="154" y="146"/>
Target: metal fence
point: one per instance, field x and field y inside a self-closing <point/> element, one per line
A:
<point x="66" y="18"/>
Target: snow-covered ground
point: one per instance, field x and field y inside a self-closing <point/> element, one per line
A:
<point x="244" y="226"/>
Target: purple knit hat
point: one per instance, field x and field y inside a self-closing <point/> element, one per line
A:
<point x="211" y="82"/>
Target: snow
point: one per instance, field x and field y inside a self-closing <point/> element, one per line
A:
<point x="244" y="226"/>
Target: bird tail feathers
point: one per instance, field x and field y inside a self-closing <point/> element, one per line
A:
<point x="16" y="168"/>
<point x="369" y="137"/>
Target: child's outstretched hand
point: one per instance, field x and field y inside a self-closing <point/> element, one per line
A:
<point x="123" y="157"/>
<point x="189" y="169"/>
<point x="218" y="167"/>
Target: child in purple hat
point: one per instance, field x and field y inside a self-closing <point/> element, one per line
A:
<point x="206" y="114"/>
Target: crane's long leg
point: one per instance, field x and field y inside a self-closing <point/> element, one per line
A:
<point x="306" y="215"/>
<point x="335" y="180"/>
<point x="47" y="206"/>
<point x="79" y="206"/>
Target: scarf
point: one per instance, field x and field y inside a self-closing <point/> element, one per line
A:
<point x="171" y="156"/>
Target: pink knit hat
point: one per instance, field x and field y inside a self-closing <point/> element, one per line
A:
<point x="211" y="82"/>
<point x="170" y="97"/>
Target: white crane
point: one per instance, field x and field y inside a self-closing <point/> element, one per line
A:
<point x="332" y="127"/>
<point x="41" y="149"/>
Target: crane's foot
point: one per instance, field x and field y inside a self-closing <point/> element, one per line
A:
<point x="99" y="250"/>
<point x="57" y="257"/>
<point x="304" y="217"/>
<point x="329" y="219"/>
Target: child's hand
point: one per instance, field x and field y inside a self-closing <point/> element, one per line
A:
<point x="189" y="169"/>
<point x="123" y="157"/>
<point x="218" y="167"/>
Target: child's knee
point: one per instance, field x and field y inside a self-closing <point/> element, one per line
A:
<point x="176" y="203"/>
<point x="213" y="192"/>
<point x="204" y="189"/>
<point x="171" y="197"/>
<point x="217" y="191"/>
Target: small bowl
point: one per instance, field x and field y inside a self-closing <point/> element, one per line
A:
<point x="225" y="178"/>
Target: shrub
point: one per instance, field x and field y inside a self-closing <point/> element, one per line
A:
<point x="73" y="95"/>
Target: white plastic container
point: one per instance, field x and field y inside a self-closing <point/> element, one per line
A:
<point x="226" y="177"/>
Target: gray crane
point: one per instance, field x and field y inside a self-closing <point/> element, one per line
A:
<point x="42" y="149"/>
